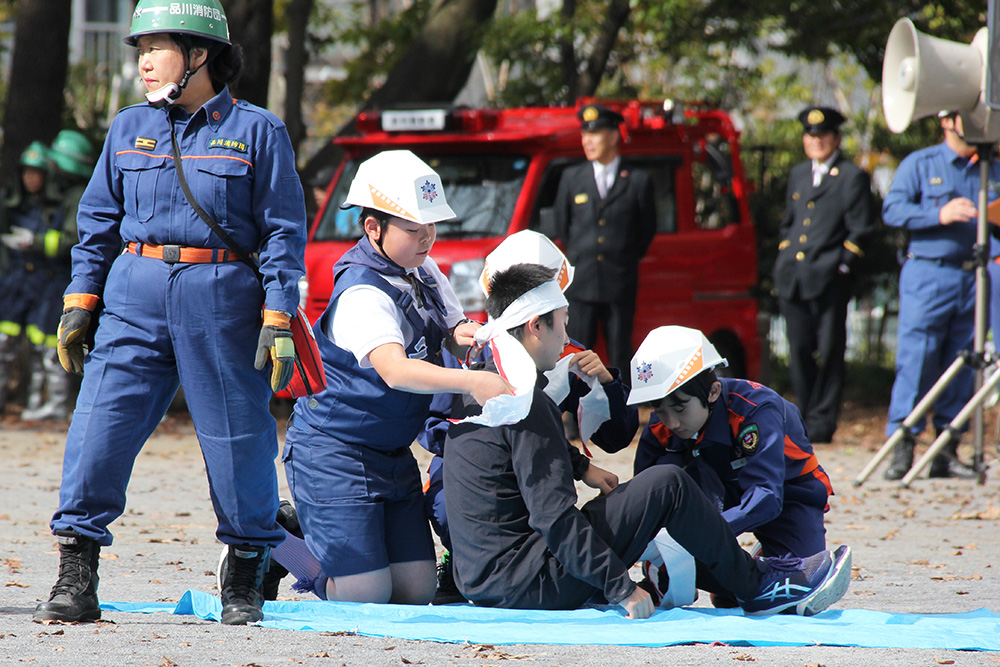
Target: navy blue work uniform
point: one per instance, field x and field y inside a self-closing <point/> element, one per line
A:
<point x="33" y="279"/>
<point x="613" y="435"/>
<point x="754" y="462"/>
<point x="937" y="281"/>
<point x="347" y="458"/>
<point x="193" y="324"/>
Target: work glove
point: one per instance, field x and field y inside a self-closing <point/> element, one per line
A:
<point x="73" y="328"/>
<point x="275" y="342"/>
<point x="18" y="238"/>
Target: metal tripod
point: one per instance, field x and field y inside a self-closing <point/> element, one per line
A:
<point x="977" y="359"/>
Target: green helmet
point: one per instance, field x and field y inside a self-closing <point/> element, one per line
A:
<point x="73" y="153"/>
<point x="37" y="155"/>
<point x="205" y="18"/>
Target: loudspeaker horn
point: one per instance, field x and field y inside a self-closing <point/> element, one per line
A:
<point x="922" y="75"/>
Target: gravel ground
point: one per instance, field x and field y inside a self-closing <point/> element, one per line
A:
<point x="931" y="548"/>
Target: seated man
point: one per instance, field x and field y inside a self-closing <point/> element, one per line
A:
<point x="599" y="401"/>
<point x="518" y="539"/>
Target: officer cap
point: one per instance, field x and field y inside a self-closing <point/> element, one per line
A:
<point x="594" y="117"/>
<point x="817" y="120"/>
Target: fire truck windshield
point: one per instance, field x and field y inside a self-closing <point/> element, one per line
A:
<point x="482" y="189"/>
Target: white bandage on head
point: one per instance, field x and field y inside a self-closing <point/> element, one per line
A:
<point x="543" y="299"/>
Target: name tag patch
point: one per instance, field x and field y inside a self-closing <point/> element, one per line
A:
<point x="228" y="144"/>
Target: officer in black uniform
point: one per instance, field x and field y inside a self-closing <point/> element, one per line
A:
<point x="606" y="218"/>
<point x="829" y="212"/>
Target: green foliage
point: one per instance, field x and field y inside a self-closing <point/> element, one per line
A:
<point x="379" y="47"/>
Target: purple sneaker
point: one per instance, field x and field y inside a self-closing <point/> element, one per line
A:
<point x="787" y="582"/>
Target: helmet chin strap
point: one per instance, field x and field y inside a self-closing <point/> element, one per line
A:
<point x="171" y="92"/>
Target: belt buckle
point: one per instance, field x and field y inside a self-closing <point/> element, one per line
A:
<point x="171" y="254"/>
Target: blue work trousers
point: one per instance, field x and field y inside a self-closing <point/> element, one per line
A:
<point x="936" y="323"/>
<point x="195" y="325"/>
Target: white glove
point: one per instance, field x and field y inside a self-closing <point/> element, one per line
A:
<point x="19" y="238"/>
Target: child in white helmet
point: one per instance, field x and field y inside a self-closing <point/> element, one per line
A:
<point x="745" y="446"/>
<point x="355" y="484"/>
<point x="519" y="539"/>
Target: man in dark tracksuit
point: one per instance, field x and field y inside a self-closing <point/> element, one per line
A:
<point x="829" y="212"/>
<point x="518" y="539"/>
<point x="606" y="218"/>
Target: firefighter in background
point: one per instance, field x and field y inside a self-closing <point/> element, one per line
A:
<point x="933" y="197"/>
<point x="74" y="156"/>
<point x="179" y="306"/>
<point x="35" y="272"/>
<point x="829" y="214"/>
<point x="606" y="218"/>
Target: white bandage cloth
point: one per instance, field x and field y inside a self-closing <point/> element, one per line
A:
<point x="543" y="299"/>
<point x="593" y="408"/>
<point x="513" y="362"/>
<point x="680" y="568"/>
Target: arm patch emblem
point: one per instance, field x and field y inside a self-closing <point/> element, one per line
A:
<point x="748" y="438"/>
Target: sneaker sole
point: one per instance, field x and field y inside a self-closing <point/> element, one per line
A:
<point x="833" y="587"/>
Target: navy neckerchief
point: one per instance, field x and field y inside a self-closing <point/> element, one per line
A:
<point x="425" y="288"/>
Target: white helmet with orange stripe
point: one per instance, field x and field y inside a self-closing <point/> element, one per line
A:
<point x="667" y="358"/>
<point x="526" y="247"/>
<point x="400" y="184"/>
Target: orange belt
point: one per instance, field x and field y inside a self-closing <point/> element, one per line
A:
<point x="175" y="254"/>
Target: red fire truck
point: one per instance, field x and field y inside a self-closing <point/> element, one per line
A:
<point x="501" y="168"/>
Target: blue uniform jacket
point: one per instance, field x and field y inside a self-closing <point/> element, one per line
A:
<point x="927" y="180"/>
<point x="240" y="166"/>
<point x="752" y="455"/>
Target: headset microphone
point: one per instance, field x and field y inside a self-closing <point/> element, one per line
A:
<point x="161" y="97"/>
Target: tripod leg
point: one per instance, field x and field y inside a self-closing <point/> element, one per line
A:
<point x="951" y="432"/>
<point x="921" y="409"/>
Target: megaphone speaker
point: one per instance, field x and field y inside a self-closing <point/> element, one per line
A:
<point x="922" y="75"/>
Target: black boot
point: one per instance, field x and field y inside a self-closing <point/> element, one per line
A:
<point x="241" y="594"/>
<point x="74" y="597"/>
<point x="447" y="591"/>
<point x="946" y="463"/>
<point x="902" y="458"/>
<point x="288" y="519"/>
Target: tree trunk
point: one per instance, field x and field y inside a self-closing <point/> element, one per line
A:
<point x="37" y="78"/>
<point x="618" y="13"/>
<point x="434" y="68"/>
<point x="251" y="23"/>
<point x="296" y="60"/>
<point x="437" y="63"/>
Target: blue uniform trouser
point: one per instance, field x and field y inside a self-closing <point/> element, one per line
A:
<point x="434" y="501"/>
<point x="993" y="271"/>
<point x="936" y="323"/>
<point x="196" y="325"/>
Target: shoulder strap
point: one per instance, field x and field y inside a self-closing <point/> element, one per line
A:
<point x="206" y="218"/>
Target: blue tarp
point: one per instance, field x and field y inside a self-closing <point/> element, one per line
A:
<point x="975" y="630"/>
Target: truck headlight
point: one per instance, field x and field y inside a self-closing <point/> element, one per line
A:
<point x="464" y="279"/>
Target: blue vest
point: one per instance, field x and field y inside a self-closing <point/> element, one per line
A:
<point x="358" y="407"/>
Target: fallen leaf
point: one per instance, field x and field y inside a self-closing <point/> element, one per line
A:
<point x="944" y="661"/>
<point x="991" y="513"/>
